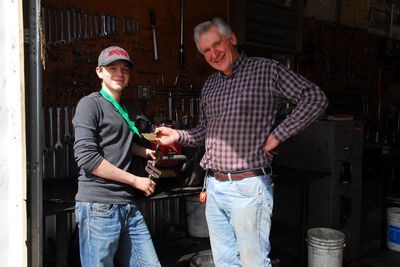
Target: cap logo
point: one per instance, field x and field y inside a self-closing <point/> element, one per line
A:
<point x="118" y="52"/>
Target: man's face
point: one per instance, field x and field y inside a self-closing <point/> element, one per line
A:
<point x="115" y="76"/>
<point x="219" y="51"/>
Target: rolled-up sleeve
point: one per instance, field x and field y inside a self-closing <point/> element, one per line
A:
<point x="196" y="136"/>
<point x="310" y="102"/>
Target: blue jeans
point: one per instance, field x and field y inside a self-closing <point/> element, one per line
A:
<point x="238" y="216"/>
<point x="107" y="231"/>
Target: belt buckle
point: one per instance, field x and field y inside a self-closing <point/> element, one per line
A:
<point x="222" y="175"/>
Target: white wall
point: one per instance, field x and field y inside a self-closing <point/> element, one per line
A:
<point x="13" y="250"/>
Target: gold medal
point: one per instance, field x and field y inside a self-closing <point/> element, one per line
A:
<point x="150" y="136"/>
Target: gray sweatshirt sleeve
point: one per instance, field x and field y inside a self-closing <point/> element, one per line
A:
<point x="85" y="121"/>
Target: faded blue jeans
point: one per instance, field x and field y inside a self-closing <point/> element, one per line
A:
<point x="238" y="216"/>
<point x="108" y="230"/>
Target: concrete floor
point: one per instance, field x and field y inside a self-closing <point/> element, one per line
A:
<point x="381" y="258"/>
<point x="182" y="252"/>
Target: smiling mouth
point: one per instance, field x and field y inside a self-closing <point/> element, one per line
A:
<point x="219" y="60"/>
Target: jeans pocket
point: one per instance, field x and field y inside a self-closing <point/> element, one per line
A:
<point x="102" y="210"/>
<point x="249" y="187"/>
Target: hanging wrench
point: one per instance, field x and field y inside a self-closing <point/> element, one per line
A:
<point x="85" y="26"/>
<point x="103" y="26"/>
<point x="181" y="47"/>
<point x="154" y="31"/>
<point x="69" y="38"/>
<point x="79" y="32"/>
<point x="135" y="26"/>
<point x="58" y="144"/>
<point x="62" y="38"/>
<point x="96" y="25"/>
<point x="49" y="31"/>
<point x="90" y="26"/>
<point x="51" y="141"/>
<point x="74" y="24"/>
<point x="67" y="141"/>
<point x="56" y="29"/>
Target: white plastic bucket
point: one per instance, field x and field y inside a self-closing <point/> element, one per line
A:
<point x="196" y="217"/>
<point x="393" y="228"/>
<point x="325" y="247"/>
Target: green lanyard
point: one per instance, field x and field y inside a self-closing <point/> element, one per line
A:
<point x="121" y="111"/>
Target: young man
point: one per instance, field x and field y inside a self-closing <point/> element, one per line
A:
<point x="110" y="224"/>
<point x="239" y="104"/>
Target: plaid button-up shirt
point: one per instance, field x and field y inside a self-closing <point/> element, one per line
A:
<point x="238" y="112"/>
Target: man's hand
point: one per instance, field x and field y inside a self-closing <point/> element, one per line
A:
<point x="270" y="144"/>
<point x="111" y="172"/>
<point x="166" y="135"/>
<point x="150" y="154"/>
<point x="145" y="184"/>
<point x="143" y="152"/>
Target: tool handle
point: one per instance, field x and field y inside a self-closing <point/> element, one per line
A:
<point x="154" y="26"/>
<point x="181" y="57"/>
<point x="152" y="18"/>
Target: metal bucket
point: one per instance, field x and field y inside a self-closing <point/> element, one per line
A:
<point x="325" y="247"/>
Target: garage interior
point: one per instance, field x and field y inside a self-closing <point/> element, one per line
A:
<point x="339" y="173"/>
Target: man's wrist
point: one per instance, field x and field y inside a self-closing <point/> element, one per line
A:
<point x="133" y="180"/>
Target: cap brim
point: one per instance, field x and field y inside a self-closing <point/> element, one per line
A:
<point x="108" y="62"/>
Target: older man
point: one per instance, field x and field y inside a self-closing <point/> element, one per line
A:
<point x="239" y="104"/>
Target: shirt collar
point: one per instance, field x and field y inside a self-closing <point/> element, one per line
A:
<point x="236" y="65"/>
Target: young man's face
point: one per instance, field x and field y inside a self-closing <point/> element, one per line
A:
<point x="219" y="51"/>
<point x="115" y="76"/>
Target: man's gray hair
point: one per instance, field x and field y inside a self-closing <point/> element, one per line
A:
<point x="221" y="25"/>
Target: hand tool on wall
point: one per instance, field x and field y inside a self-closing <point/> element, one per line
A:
<point x="103" y="26"/>
<point x="181" y="49"/>
<point x="51" y="142"/>
<point x="49" y="28"/>
<point x="191" y="107"/>
<point x="154" y="31"/>
<point x="96" y="25"/>
<point x="176" y="118"/>
<point x="56" y="27"/>
<point x="62" y="40"/>
<point x="58" y="144"/>
<point x="74" y="25"/>
<point x="79" y="26"/>
<point x="85" y="24"/>
<point x="379" y="107"/>
<point x="90" y="26"/>
<point x="67" y="141"/>
<point x="45" y="154"/>
<point x="170" y="106"/>
<point x="69" y="39"/>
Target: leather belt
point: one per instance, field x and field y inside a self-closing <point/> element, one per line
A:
<point x="238" y="175"/>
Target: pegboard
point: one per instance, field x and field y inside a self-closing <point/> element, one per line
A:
<point x="70" y="60"/>
<point x="73" y="34"/>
